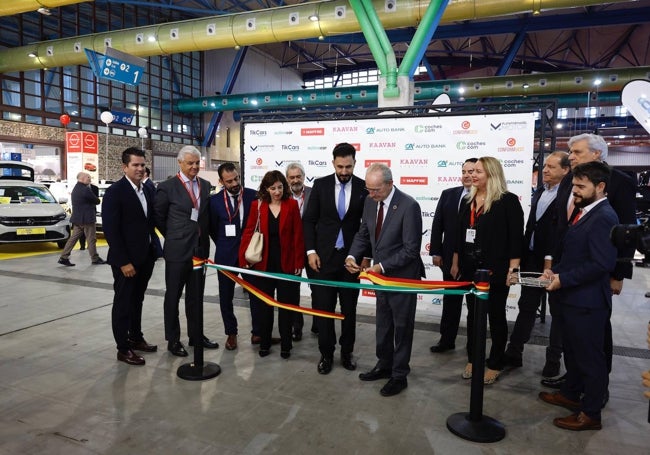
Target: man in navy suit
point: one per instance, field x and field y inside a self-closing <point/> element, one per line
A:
<point x="581" y="280"/>
<point x="330" y="221"/>
<point x="133" y="247"/>
<point x="229" y="210"/>
<point x="183" y="217"/>
<point x="443" y="238"/>
<point x="621" y="194"/>
<point x="540" y="243"/>
<point x="391" y="231"/>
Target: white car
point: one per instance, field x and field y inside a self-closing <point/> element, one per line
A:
<point x="29" y="213"/>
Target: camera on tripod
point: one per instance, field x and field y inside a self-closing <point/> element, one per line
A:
<point x="625" y="236"/>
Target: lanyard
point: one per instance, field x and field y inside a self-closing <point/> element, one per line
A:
<point x="225" y="201"/>
<point x="474" y="214"/>
<point x="195" y="201"/>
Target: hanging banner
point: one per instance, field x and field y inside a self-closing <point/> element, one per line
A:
<point x="81" y="154"/>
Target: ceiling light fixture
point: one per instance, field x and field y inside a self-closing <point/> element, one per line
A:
<point x="313" y="18"/>
<point x="44" y="11"/>
<point x="32" y="54"/>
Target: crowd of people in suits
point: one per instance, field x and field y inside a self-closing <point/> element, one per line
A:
<point x="344" y="224"/>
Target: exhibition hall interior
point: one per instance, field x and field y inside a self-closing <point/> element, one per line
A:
<point x="243" y="91"/>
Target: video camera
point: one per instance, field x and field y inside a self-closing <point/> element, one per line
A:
<point x="625" y="236"/>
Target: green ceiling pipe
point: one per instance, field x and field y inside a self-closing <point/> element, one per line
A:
<point x="421" y="38"/>
<point x="580" y="84"/>
<point x="391" y="90"/>
<point x="371" y="37"/>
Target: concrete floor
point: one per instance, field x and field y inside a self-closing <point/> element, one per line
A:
<point x="63" y="392"/>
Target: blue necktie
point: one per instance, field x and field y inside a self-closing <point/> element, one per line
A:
<point x="341" y="209"/>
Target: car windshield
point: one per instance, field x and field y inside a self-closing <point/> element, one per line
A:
<point x="25" y="195"/>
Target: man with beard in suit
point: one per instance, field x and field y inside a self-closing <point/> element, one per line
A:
<point x="331" y="220"/>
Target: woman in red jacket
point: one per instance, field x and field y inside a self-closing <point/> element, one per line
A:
<point x="283" y="252"/>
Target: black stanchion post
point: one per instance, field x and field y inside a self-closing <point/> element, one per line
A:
<point x="198" y="370"/>
<point x="473" y="425"/>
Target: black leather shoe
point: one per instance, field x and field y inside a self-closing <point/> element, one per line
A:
<point x="99" y="261"/>
<point x="325" y="365"/>
<point x="375" y="374"/>
<point x="285" y="354"/>
<point x="554" y="383"/>
<point x="130" y="357"/>
<point x="264" y="352"/>
<point x="177" y="349"/>
<point x="347" y="362"/>
<point x="142" y="345"/>
<point x="393" y="387"/>
<point x="207" y="343"/>
<point x="439" y="348"/>
<point x="66" y="262"/>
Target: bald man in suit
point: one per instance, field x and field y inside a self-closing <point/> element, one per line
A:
<point x="391" y="231"/>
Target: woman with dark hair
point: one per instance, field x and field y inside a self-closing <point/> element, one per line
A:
<point x="491" y="223"/>
<point x="283" y="252"/>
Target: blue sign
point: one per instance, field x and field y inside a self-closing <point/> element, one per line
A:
<point x="122" y="116"/>
<point x="116" y="66"/>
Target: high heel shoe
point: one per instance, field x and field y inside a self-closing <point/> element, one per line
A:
<point x="264" y="352"/>
<point x="285" y="354"/>
<point x="467" y="373"/>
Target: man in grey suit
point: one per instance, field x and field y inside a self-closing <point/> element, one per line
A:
<point x="182" y="214"/>
<point x="295" y="174"/>
<point x="391" y="231"/>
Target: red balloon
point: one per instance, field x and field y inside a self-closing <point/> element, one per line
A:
<point x="64" y="119"/>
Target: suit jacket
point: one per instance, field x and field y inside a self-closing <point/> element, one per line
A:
<point x="131" y="235"/>
<point x="499" y="237"/>
<point x="544" y="228"/>
<point x="149" y="183"/>
<point x="621" y="194"/>
<point x="588" y="258"/>
<point x="292" y="245"/>
<point x="227" y="248"/>
<point x="84" y="204"/>
<point x="321" y="220"/>
<point x="400" y="240"/>
<point x="444" y="228"/>
<point x="184" y="238"/>
<point x="306" y="202"/>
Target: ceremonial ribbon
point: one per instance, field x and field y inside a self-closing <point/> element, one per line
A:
<point x="383" y="284"/>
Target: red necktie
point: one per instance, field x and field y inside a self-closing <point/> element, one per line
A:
<point x="380" y="220"/>
<point x="577" y="217"/>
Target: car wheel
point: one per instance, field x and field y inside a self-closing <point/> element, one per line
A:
<point x="61" y="243"/>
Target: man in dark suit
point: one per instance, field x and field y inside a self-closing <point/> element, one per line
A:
<point x="621" y="192"/>
<point x="183" y="217"/>
<point x="229" y="210"/>
<point x="581" y="280"/>
<point x="391" y="231"/>
<point x="295" y="175"/>
<point x="539" y="246"/>
<point x="133" y="247"/>
<point x="329" y="224"/>
<point x="443" y="238"/>
<point x="83" y="219"/>
<point x="147" y="179"/>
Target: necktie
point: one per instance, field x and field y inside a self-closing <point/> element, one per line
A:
<point x="380" y="220"/>
<point x="571" y="209"/>
<point x="577" y="217"/>
<point x="341" y="210"/>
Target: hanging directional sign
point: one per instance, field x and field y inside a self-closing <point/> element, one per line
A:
<point x="122" y="115"/>
<point x="116" y="66"/>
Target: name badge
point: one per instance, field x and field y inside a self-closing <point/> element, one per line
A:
<point x="230" y="230"/>
<point x="195" y="215"/>
<point x="470" y="235"/>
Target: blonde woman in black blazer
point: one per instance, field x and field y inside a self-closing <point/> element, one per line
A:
<point x="490" y="237"/>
